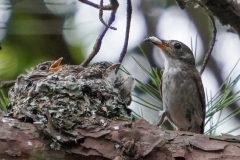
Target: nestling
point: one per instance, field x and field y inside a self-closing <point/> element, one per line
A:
<point x="44" y="69"/>
<point x="110" y="75"/>
<point x="40" y="71"/>
<point x="181" y="87"/>
<point x="125" y="87"/>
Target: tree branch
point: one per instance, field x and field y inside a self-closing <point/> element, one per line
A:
<point x="227" y="12"/>
<point x="101" y="16"/>
<point x="129" y="16"/>
<point x="208" y="55"/>
<point x="115" y="141"/>
<point x="97" y="45"/>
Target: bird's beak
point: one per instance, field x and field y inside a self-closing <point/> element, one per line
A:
<point x="56" y="65"/>
<point x="159" y="43"/>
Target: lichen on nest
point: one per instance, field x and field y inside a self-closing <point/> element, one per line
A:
<point x="62" y="101"/>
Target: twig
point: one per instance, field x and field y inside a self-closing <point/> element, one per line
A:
<point x="101" y="16"/>
<point x="181" y="3"/>
<point x="7" y="84"/>
<point x="129" y="16"/>
<point x="208" y="55"/>
<point x="106" y="7"/>
<point x="97" y="45"/>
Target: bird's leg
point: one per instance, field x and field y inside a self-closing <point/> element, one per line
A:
<point x="113" y="6"/>
<point x="160" y="121"/>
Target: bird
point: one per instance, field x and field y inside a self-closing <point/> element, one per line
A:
<point x="181" y="87"/>
<point x="125" y="86"/>
<point x="44" y="69"/>
<point x="96" y="70"/>
<point x="39" y="71"/>
<point x="110" y="75"/>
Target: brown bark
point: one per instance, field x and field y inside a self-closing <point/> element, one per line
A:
<point x="139" y="140"/>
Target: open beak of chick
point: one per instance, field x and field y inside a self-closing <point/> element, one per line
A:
<point x="56" y="65"/>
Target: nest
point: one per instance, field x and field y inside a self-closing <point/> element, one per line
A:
<point x="64" y="102"/>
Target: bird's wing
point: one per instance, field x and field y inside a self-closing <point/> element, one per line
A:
<point x="197" y="79"/>
<point x="160" y="85"/>
<point x="160" y="88"/>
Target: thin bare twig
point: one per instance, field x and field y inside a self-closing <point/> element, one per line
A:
<point x="90" y="3"/>
<point x="106" y="7"/>
<point x="97" y="45"/>
<point x="208" y="55"/>
<point x="101" y="16"/>
<point x="129" y="16"/>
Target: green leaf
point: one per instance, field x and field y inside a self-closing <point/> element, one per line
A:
<point x="3" y="101"/>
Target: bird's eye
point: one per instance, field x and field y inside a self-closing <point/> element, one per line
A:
<point x="177" y="46"/>
<point x="43" y="68"/>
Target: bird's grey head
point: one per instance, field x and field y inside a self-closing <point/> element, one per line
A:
<point x="110" y="73"/>
<point x="174" y="51"/>
<point x="48" y="66"/>
<point x="43" y="69"/>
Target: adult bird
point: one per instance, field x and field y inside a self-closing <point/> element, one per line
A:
<point x="181" y="87"/>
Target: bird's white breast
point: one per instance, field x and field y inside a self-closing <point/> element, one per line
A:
<point x="175" y="85"/>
